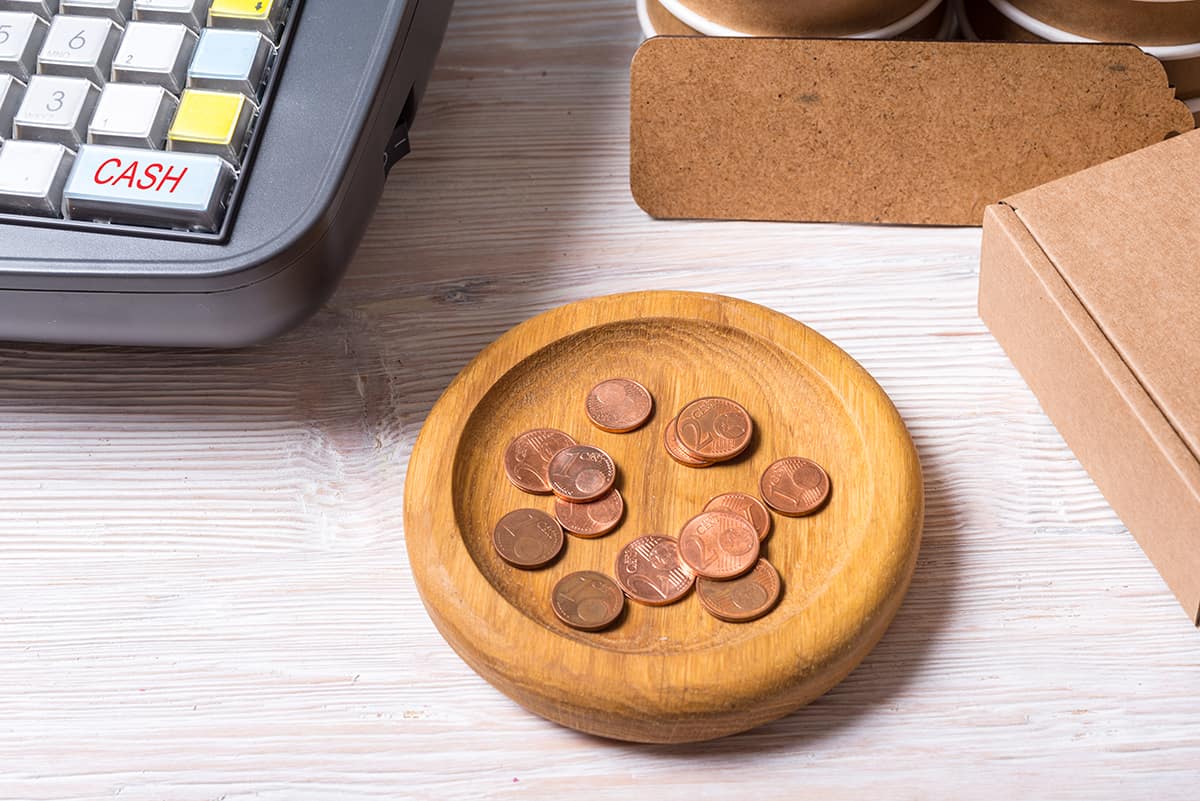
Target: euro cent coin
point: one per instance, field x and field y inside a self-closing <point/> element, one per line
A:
<point x="676" y="451"/>
<point x="587" y="600"/>
<point x="746" y="598"/>
<point x="593" y="519"/>
<point x="581" y="473"/>
<point x="745" y="505"/>
<point x="528" y="538"/>
<point x="619" y="405"/>
<point x="718" y="545"/>
<point x="528" y="456"/>
<point x="795" y="486"/>
<point x="650" y="571"/>
<point x="714" y="429"/>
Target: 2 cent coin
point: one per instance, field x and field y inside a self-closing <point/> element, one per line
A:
<point x="528" y="456"/>
<point x="676" y="451"/>
<point x="714" y="429"/>
<point x="718" y="545"/>
<point x="650" y="571"/>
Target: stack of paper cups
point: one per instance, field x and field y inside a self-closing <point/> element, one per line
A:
<point x="855" y="19"/>
<point x="1166" y="29"/>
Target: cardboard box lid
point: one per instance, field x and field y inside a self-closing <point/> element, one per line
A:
<point x="1125" y="237"/>
<point x="889" y="132"/>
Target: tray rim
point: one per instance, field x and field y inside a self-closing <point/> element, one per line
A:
<point x="618" y="704"/>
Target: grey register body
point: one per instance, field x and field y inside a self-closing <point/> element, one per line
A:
<point x="342" y="102"/>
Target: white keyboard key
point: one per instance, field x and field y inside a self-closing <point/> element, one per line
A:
<point x="32" y="177"/>
<point x="119" y="11"/>
<point x="132" y="115"/>
<point x="144" y="187"/>
<point x="56" y="110"/>
<point x="43" y="8"/>
<point x="80" y="47"/>
<point x="192" y="13"/>
<point x="230" y="61"/>
<point x="156" y="53"/>
<point x="21" y="37"/>
<point x="11" y="93"/>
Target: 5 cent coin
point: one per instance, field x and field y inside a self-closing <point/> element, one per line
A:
<point x="619" y="405"/>
<point x="528" y="456"/>
<point x="795" y="486"/>
<point x="587" y="600"/>
<point x="528" y="538"/>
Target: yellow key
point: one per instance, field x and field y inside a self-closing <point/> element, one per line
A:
<point x="256" y="15"/>
<point x="211" y="122"/>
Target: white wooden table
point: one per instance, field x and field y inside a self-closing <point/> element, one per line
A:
<point x="204" y="592"/>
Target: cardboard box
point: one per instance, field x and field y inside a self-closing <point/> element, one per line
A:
<point x="1091" y="283"/>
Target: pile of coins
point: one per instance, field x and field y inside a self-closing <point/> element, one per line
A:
<point x="717" y="550"/>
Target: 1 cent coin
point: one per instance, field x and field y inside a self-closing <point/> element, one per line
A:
<point x="528" y="456"/>
<point x="718" y="545"/>
<point x="581" y="473"/>
<point x="746" y="598"/>
<point x="650" y="572"/>
<point x="714" y="429"/>
<point x="587" y="600"/>
<point x="528" y="538"/>
<point x="619" y="405"/>
<point x="676" y="451"/>
<point x="745" y="505"/>
<point x="794" y="486"/>
<point x="594" y="519"/>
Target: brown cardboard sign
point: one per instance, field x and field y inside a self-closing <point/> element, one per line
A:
<point x="886" y="132"/>
<point x="1090" y="285"/>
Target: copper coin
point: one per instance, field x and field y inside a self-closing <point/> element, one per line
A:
<point x="794" y="486"/>
<point x="528" y="456"/>
<point x="594" y="519"/>
<point x="650" y="572"/>
<point x="746" y="598"/>
<point x="718" y="545"/>
<point x="745" y="505"/>
<point x="676" y="451"/>
<point x="581" y="473"/>
<point x="619" y="405"/>
<point x="714" y="429"/>
<point x="587" y="600"/>
<point x="528" y="538"/>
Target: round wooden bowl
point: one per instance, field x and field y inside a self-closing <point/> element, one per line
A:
<point x="674" y="673"/>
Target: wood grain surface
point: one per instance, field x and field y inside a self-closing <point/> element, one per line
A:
<point x="204" y="591"/>
<point x="666" y="674"/>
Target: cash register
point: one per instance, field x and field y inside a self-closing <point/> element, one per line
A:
<point x="195" y="172"/>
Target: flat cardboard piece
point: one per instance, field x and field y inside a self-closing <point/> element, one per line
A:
<point x="1091" y="285"/>
<point x="886" y="132"/>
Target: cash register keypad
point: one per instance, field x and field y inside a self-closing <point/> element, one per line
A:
<point x="132" y="112"/>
